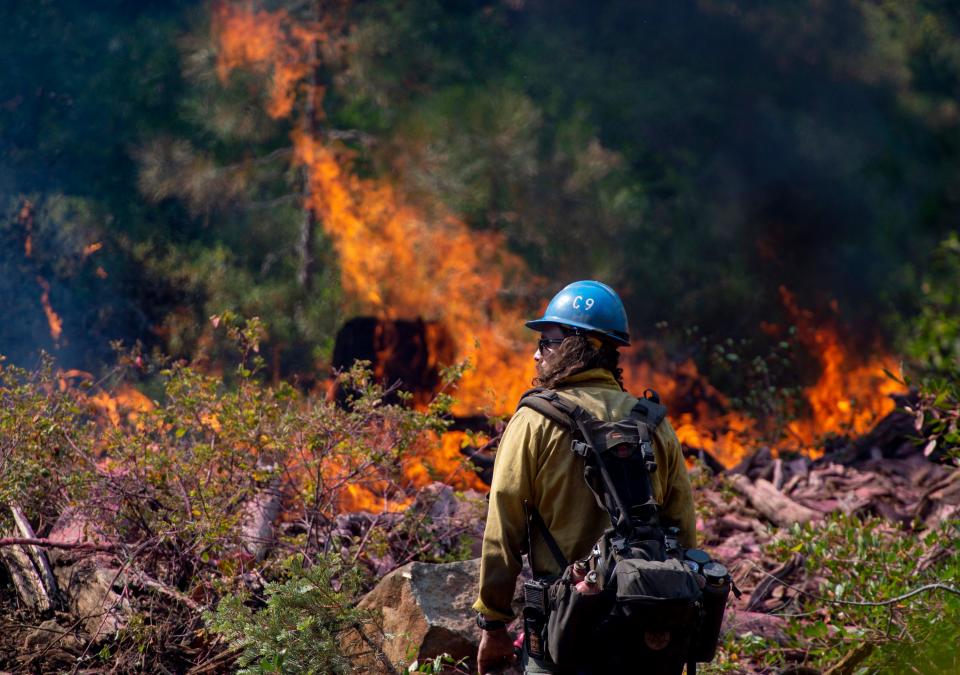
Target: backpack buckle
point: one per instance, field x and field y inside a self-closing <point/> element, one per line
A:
<point x="649" y="458"/>
<point x="580" y="448"/>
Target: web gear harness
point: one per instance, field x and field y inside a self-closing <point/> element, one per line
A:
<point x="637" y="581"/>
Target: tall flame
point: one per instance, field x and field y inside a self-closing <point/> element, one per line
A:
<point x="53" y="319"/>
<point x="850" y="395"/>
<point x="396" y="260"/>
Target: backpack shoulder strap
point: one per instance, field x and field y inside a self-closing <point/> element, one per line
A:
<point x="552" y="406"/>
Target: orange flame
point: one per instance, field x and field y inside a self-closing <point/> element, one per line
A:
<point x="395" y="263"/>
<point x="90" y="249"/>
<point x="270" y="43"/>
<point x="53" y="319"/>
<point x="850" y="395"/>
<point x="725" y="435"/>
<point x="126" y="400"/>
<point x="396" y="260"/>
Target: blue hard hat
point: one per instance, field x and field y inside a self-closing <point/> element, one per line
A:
<point x="589" y="305"/>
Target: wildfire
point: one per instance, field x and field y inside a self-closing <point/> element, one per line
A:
<point x="265" y="41"/>
<point x="401" y="261"/>
<point x="396" y="261"/>
<point x="851" y="394"/>
<point x="25" y="218"/>
<point x="700" y="414"/>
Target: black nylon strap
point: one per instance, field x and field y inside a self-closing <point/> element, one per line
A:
<point x="534" y="519"/>
<point x="546" y="408"/>
<point x="649" y="411"/>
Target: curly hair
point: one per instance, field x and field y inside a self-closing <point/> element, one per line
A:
<point x="576" y="354"/>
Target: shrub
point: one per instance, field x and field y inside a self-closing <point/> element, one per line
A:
<point x="171" y="480"/>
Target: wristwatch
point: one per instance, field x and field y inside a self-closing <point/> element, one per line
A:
<point x="489" y="624"/>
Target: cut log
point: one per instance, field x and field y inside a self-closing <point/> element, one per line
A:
<point x="25" y="578"/>
<point x="778" y="474"/>
<point x="37" y="554"/>
<point x="776" y="506"/>
<point x="261" y="513"/>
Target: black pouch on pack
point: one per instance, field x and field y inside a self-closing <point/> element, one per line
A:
<point x="573" y="620"/>
<point x="662" y="595"/>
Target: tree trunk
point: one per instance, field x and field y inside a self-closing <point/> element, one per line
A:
<point x="312" y="115"/>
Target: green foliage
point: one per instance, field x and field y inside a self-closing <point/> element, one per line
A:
<point x="934" y="345"/>
<point x="44" y="438"/>
<point x="935" y="334"/>
<point x="298" y="628"/>
<point x="764" y="385"/>
<point x="871" y="560"/>
<point x="937" y="415"/>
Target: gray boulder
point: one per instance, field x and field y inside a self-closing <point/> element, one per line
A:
<point x="426" y="610"/>
<point x="421" y="611"/>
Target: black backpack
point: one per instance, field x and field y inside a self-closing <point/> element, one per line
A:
<point x="646" y="600"/>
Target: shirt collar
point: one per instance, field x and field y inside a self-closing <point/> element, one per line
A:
<point x="595" y="377"/>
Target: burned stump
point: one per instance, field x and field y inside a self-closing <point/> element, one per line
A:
<point x="410" y="352"/>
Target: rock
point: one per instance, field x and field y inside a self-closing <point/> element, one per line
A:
<point x="74" y="527"/>
<point x="88" y="588"/>
<point x="424" y="611"/>
<point x="49" y="634"/>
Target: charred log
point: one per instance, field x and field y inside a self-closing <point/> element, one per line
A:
<point x="405" y="352"/>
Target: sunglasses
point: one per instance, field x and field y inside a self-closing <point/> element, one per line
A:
<point x="544" y="343"/>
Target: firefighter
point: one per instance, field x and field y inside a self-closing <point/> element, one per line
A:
<point x="580" y="333"/>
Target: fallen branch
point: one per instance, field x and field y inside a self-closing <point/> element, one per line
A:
<point x="378" y="652"/>
<point x="39" y="556"/>
<point x="861" y="603"/>
<point x="762" y="591"/>
<point x="848" y="664"/>
<point x="218" y="663"/>
<point x="49" y="543"/>
<point x="144" y="581"/>
<point x="776" y="506"/>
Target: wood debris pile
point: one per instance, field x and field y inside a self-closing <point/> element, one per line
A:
<point x="884" y="474"/>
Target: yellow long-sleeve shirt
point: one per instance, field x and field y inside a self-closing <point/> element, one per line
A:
<point x="534" y="462"/>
